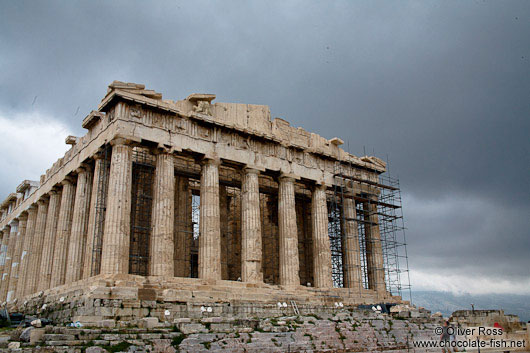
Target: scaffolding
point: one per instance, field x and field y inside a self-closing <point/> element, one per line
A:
<point x="380" y="225"/>
<point x="143" y="170"/>
<point x="100" y="205"/>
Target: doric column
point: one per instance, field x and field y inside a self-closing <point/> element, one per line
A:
<point x="321" y="245"/>
<point x="78" y="235"/>
<point x="33" y="276"/>
<point x="183" y="228"/>
<point x="351" y="253"/>
<point x="374" y="250"/>
<point x="9" y="259"/>
<point x="49" y="241"/>
<point x="64" y="226"/>
<point x="3" y="259"/>
<point x="26" y="255"/>
<point x="289" y="262"/>
<point x="15" y="263"/>
<point x="226" y="235"/>
<point x="3" y="249"/>
<point x="251" y="256"/>
<point x="116" y="236"/>
<point x="96" y="218"/>
<point x="161" y="247"/>
<point x="209" y="223"/>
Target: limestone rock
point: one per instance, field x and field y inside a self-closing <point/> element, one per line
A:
<point x="148" y="322"/>
<point x="13" y="345"/>
<point x="26" y="334"/>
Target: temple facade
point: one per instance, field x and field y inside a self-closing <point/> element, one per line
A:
<point x="195" y="202"/>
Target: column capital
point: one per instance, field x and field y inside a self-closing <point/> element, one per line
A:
<point x="252" y="170"/>
<point x="161" y="150"/>
<point x="83" y="167"/>
<point x="67" y="180"/>
<point x="54" y="190"/>
<point x="7" y="228"/>
<point x="120" y="141"/>
<point x="23" y="216"/>
<point x="211" y="161"/>
<point x="43" y="199"/>
<point x="98" y="155"/>
<point x="32" y="207"/>
<point x="289" y="177"/>
<point x="321" y="186"/>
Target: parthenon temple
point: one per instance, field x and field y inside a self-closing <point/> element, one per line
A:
<point x="191" y="202"/>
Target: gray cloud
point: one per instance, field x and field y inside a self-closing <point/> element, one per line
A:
<point x="440" y="87"/>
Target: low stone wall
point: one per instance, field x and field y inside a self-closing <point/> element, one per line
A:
<point x="339" y="331"/>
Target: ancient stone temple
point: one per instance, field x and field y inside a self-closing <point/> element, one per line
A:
<point x="189" y="204"/>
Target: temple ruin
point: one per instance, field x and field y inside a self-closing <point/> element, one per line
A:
<point x="192" y="204"/>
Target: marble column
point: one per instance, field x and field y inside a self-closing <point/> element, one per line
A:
<point x="161" y="247"/>
<point x="15" y="263"/>
<point x="289" y="262"/>
<point x="49" y="241"/>
<point x="116" y="236"/>
<point x="62" y="239"/>
<point x="374" y="250"/>
<point x="251" y="252"/>
<point x="3" y="259"/>
<point x="96" y="218"/>
<point x="351" y="252"/>
<point x="183" y="228"/>
<point x="226" y="234"/>
<point x="11" y="244"/>
<point x="209" y="223"/>
<point x="26" y="255"/>
<point x="3" y="252"/>
<point x="78" y="235"/>
<point x="321" y="245"/>
<point x="33" y="276"/>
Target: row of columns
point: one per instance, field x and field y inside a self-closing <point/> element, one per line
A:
<point x="52" y="242"/>
<point x="44" y="246"/>
<point x="115" y="249"/>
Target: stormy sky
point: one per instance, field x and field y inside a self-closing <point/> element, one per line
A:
<point x="440" y="88"/>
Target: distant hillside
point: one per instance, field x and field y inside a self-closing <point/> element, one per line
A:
<point x="446" y="302"/>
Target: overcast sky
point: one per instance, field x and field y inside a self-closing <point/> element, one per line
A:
<point x="441" y="88"/>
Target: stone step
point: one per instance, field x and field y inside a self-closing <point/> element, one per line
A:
<point x="66" y="343"/>
<point x="58" y="337"/>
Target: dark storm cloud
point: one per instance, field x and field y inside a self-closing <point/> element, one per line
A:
<point x="442" y="88"/>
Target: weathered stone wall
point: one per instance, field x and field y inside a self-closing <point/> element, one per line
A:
<point x="330" y="331"/>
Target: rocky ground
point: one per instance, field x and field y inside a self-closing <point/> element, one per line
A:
<point x="344" y="331"/>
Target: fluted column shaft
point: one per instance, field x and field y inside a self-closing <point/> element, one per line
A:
<point x="15" y="263"/>
<point x="116" y="237"/>
<point x="251" y="243"/>
<point x="209" y="223"/>
<point x="90" y="268"/>
<point x="64" y="226"/>
<point x="48" y="247"/>
<point x="3" y="249"/>
<point x="25" y="256"/>
<point x="183" y="227"/>
<point x="351" y="252"/>
<point x="9" y="259"/>
<point x="374" y="251"/>
<point x="161" y="249"/>
<point x="321" y="245"/>
<point x="32" y="280"/>
<point x="3" y="258"/>
<point x="289" y="262"/>
<point x="78" y="233"/>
